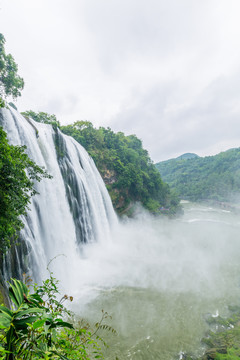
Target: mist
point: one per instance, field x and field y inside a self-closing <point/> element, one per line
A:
<point x="159" y="278"/>
<point x="183" y="254"/>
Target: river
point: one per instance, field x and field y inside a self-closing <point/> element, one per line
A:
<point x="160" y="279"/>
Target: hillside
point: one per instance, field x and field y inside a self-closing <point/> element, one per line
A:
<point x="187" y="156"/>
<point x="126" y="168"/>
<point x="200" y="178"/>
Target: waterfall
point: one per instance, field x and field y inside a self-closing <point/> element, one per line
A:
<point x="72" y="208"/>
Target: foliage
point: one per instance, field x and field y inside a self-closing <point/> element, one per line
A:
<point x="232" y="354"/>
<point x="200" y="178"/>
<point x="12" y="105"/>
<point x="10" y="82"/>
<point x="125" y="166"/>
<point x="2" y="103"/>
<point x="39" y="326"/>
<point x="187" y="156"/>
<point x="223" y="341"/>
<point x="42" y="117"/>
<point x="17" y="175"/>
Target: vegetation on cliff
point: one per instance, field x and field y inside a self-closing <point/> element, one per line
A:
<point x="222" y="342"/>
<point x="17" y="175"/>
<point x="200" y="178"/>
<point x="42" y="117"/>
<point x="125" y="166"/>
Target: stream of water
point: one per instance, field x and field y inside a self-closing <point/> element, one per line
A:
<point x="159" y="279"/>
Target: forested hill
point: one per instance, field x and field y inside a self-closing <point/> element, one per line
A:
<point x="199" y="178"/>
<point x="126" y="168"/>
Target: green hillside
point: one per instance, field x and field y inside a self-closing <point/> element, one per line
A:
<point x="200" y="178"/>
<point x="126" y="168"/>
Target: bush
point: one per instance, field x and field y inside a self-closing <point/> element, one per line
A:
<point x="39" y="326"/>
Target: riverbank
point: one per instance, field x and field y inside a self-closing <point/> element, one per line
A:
<point x="222" y="342"/>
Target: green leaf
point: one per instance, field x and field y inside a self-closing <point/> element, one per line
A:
<point x="35" y="298"/>
<point x="59" y="355"/>
<point x="22" y="324"/>
<point x="38" y="324"/>
<point x="5" y="321"/>
<point x="5" y="310"/>
<point x="60" y="323"/>
<point x="30" y="311"/>
<point x="17" y="290"/>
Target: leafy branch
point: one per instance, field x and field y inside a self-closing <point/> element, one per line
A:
<point x="39" y="326"/>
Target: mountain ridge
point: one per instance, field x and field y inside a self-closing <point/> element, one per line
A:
<point x="215" y="177"/>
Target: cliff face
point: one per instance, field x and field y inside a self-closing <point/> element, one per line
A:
<point x="119" y="198"/>
<point x="109" y="177"/>
<point x="124" y="165"/>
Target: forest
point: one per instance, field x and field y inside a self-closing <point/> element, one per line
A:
<point x="202" y="178"/>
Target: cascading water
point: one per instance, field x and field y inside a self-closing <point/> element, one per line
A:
<point x="159" y="278"/>
<point x="73" y="207"/>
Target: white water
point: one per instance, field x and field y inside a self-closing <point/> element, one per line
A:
<point x="158" y="278"/>
<point x="50" y="227"/>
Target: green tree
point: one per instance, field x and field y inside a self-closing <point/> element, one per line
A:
<point x="17" y="175"/>
<point x="125" y="166"/>
<point x="39" y="326"/>
<point x="10" y="82"/>
<point x="42" y="117"/>
<point x="197" y="178"/>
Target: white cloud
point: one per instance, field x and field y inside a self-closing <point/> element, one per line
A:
<point x="167" y="71"/>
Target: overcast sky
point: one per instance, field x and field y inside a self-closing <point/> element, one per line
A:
<point x="165" y="70"/>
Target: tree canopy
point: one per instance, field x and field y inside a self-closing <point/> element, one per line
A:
<point x="201" y="178"/>
<point x="42" y="117"/>
<point x="125" y="166"/>
<point x="10" y="82"/>
<point x="17" y="175"/>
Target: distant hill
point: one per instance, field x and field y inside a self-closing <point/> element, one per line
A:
<point x="199" y="178"/>
<point x="187" y="156"/>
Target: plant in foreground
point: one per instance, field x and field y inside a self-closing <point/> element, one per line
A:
<point x="39" y="326"/>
